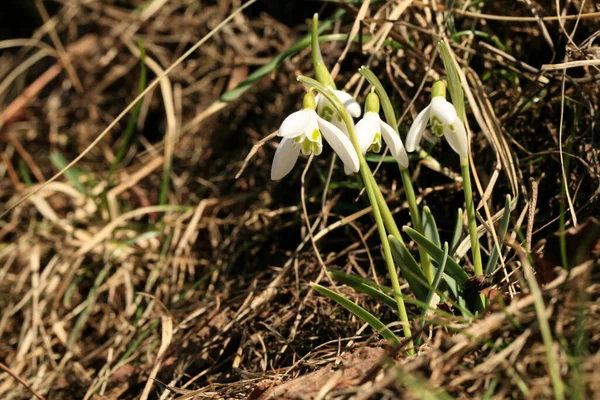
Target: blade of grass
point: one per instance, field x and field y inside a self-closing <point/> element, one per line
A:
<point x="502" y="229"/>
<point x="358" y="311"/>
<point x="458" y="229"/>
<point x="430" y="230"/>
<point x="454" y="270"/>
<point x="364" y="286"/>
<point x="24" y="172"/>
<point x="73" y="174"/>
<point x="540" y="311"/>
<point x="408" y="266"/>
<point x="436" y="281"/>
<point x="352" y="280"/>
<point x="131" y="124"/>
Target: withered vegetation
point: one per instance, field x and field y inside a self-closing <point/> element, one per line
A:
<point x="184" y="272"/>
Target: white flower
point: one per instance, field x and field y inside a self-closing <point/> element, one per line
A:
<point x="370" y="129"/>
<point x="326" y="110"/>
<point x="444" y="122"/>
<point x="301" y="131"/>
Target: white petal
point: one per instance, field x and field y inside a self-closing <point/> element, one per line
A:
<point x="340" y="144"/>
<point x="443" y="110"/>
<point x="366" y="129"/>
<point x="349" y="103"/>
<point x="285" y="158"/>
<point x="458" y="139"/>
<point x="311" y="125"/>
<point x="392" y="139"/>
<point x="416" y="130"/>
<point x="295" y="124"/>
<point x="339" y="123"/>
<point x="348" y="170"/>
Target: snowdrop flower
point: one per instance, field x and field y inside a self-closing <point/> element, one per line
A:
<point x="302" y="131"/>
<point x="326" y="110"/>
<point x="444" y="122"/>
<point x="370" y="129"/>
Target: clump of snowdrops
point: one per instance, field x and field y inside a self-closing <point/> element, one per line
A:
<point x="328" y="117"/>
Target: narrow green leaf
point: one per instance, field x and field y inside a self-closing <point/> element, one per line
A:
<point x="454" y="86"/>
<point x="430" y="230"/>
<point x="24" y="171"/>
<point x="458" y="229"/>
<point x="436" y="280"/>
<point x="493" y="260"/>
<point x="365" y="286"/>
<point x="409" y="268"/>
<point x="386" y="104"/>
<point x="271" y="66"/>
<point x="358" y="311"/>
<point x="453" y="269"/>
<point x="373" y="157"/>
<point x="72" y="174"/>
<point x="352" y="280"/>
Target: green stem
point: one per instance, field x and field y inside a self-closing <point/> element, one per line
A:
<point x="416" y="220"/>
<point x="387" y="251"/>
<point x="369" y="182"/>
<point x="388" y="218"/>
<point x="390" y="117"/>
<point x="466" y="174"/>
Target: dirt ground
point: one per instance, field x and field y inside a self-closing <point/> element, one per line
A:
<point x="165" y="264"/>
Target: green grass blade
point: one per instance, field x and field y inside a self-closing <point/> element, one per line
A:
<point x="349" y="280"/>
<point x="458" y="230"/>
<point x="72" y="174"/>
<point x="24" y="172"/>
<point x="493" y="260"/>
<point x="436" y="280"/>
<point x="358" y="311"/>
<point x="130" y="129"/>
<point x="409" y="268"/>
<point x="364" y="286"/>
<point x="271" y="66"/>
<point x="452" y="268"/>
<point x="540" y="311"/>
<point x="454" y="85"/>
<point x="430" y="230"/>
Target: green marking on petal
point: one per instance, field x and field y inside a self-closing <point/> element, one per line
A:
<point x="306" y="147"/>
<point x="316" y="149"/>
<point x="327" y="112"/>
<point x="376" y="145"/>
<point x="315" y="135"/>
<point x="299" y="139"/>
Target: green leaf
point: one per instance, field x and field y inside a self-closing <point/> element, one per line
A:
<point x="378" y="157"/>
<point x="430" y="227"/>
<point x="458" y="229"/>
<point x="133" y="118"/>
<point x="436" y="280"/>
<point x="454" y="86"/>
<point x="358" y="311"/>
<point x="410" y="269"/>
<point x="493" y="260"/>
<point x="72" y="174"/>
<point x="365" y="286"/>
<point x="386" y="104"/>
<point x="453" y="269"/>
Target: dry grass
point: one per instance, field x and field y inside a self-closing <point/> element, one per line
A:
<point x="111" y="287"/>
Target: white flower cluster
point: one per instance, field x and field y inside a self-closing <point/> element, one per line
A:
<point x="303" y="130"/>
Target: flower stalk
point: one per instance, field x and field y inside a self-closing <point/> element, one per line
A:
<point x="457" y="96"/>
<point x="370" y="185"/>
<point x="409" y="190"/>
<point x="476" y="251"/>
